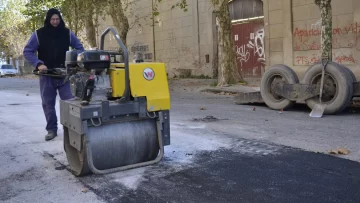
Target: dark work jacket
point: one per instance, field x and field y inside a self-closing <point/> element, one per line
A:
<point x="53" y="47"/>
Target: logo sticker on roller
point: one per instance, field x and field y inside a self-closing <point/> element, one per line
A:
<point x="104" y="57"/>
<point x="149" y="74"/>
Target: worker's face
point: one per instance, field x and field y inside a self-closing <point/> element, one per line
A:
<point x="55" y="20"/>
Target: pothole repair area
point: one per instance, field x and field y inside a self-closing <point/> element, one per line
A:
<point x="57" y="164"/>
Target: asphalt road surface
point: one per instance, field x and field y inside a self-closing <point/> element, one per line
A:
<point x="219" y="152"/>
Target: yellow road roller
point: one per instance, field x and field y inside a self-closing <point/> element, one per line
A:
<point x="119" y="118"/>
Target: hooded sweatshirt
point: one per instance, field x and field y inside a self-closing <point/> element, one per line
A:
<point x="51" y="43"/>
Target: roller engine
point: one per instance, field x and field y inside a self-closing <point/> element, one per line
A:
<point x="88" y="75"/>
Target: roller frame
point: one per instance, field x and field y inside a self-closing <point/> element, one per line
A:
<point x="78" y="118"/>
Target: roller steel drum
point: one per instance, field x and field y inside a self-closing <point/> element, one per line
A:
<point x="114" y="145"/>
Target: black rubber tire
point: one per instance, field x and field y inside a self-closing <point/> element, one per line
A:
<point x="272" y="100"/>
<point x="353" y="77"/>
<point x="343" y="91"/>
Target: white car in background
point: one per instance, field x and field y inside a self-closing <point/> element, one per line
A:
<point x="7" y="69"/>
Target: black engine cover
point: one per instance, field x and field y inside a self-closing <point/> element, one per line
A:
<point x="97" y="60"/>
<point x="71" y="58"/>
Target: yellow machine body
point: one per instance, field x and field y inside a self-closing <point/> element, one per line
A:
<point x="146" y="80"/>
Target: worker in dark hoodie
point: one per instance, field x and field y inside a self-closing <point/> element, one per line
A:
<point x="51" y="42"/>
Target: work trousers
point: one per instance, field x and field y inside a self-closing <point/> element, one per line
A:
<point x="48" y="90"/>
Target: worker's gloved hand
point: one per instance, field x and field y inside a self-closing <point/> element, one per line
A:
<point x="42" y="68"/>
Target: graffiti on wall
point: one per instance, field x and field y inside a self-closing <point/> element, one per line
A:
<point x="242" y="53"/>
<point x="140" y="51"/>
<point x="341" y="57"/>
<point x="256" y="45"/>
<point x="249" y="38"/>
<point x="310" y="39"/>
<point x="344" y="40"/>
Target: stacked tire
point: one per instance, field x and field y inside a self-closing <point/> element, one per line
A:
<point x="277" y="74"/>
<point x="339" y="83"/>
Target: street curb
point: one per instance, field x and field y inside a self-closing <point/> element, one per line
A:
<point x="213" y="90"/>
<point x="230" y="89"/>
<point x="26" y="76"/>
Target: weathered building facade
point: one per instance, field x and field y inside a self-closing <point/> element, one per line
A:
<point x="266" y="32"/>
<point x="293" y="30"/>
<point x="185" y="41"/>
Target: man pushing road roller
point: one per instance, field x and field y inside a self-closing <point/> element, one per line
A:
<point x="51" y="42"/>
<point x="119" y="118"/>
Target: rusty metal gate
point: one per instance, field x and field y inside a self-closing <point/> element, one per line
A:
<point x="250" y="50"/>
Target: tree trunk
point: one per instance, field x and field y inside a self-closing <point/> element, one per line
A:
<point x="20" y="66"/>
<point x="120" y="21"/>
<point x="326" y="28"/>
<point x="228" y="72"/>
<point x="76" y="20"/>
<point x="90" y="31"/>
<point x="89" y="26"/>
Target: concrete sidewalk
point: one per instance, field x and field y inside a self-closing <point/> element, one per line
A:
<point x="209" y="85"/>
<point x="240" y="98"/>
<point x="232" y="89"/>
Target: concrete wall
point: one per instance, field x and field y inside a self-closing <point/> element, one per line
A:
<point x="180" y="39"/>
<point x="292" y="33"/>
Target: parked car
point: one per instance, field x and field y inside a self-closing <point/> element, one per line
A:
<point x="7" y="69"/>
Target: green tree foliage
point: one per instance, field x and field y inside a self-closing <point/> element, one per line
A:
<point x="77" y="14"/>
<point x="182" y="4"/>
<point x="19" y="18"/>
<point x="12" y="27"/>
<point x="35" y="11"/>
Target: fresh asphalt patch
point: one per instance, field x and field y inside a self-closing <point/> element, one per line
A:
<point x="249" y="172"/>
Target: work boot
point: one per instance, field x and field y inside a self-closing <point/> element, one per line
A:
<point x="51" y="135"/>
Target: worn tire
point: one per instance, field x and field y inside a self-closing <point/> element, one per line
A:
<point x="353" y="77"/>
<point x="338" y="85"/>
<point x="271" y="76"/>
